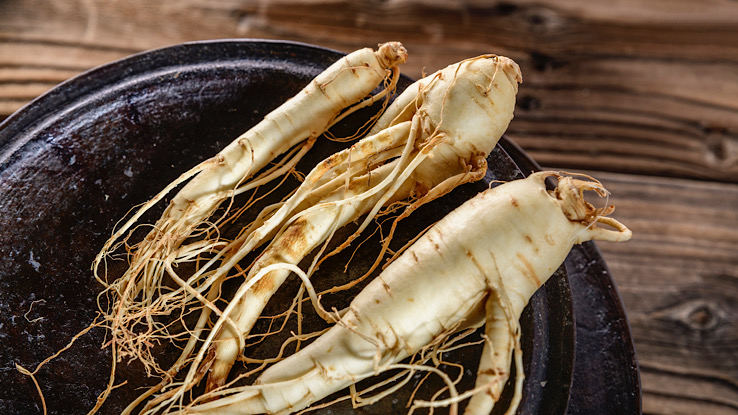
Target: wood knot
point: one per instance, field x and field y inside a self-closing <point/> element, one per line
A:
<point x="528" y="103"/>
<point x="542" y="20"/>
<point x="702" y="317"/>
<point x="698" y="314"/>
<point x="721" y="145"/>
<point x="545" y="63"/>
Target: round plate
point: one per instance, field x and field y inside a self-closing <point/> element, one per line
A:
<point x="74" y="161"/>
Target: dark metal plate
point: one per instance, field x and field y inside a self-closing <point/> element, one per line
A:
<point x="76" y="159"/>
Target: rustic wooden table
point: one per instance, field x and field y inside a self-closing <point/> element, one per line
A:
<point x="641" y="96"/>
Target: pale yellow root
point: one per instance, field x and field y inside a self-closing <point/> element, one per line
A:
<point x="458" y="275"/>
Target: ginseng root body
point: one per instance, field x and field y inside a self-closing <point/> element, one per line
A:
<point x="478" y="265"/>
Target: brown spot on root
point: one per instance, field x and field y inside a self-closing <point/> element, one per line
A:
<point x="207" y="362"/>
<point x="359" y="185"/>
<point x="549" y="239"/>
<point x="380" y="141"/>
<point x="514" y="201"/>
<point x="420" y="190"/>
<point x="530" y="241"/>
<point x="529" y="272"/>
<point x="213" y="382"/>
<point x="332" y="161"/>
<point x="264" y="285"/>
<point x="410" y="300"/>
<point x="293" y="242"/>
<point x="326" y="165"/>
<point x="492" y="391"/>
<point x="387" y="288"/>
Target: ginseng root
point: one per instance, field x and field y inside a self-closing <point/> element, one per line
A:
<point x="136" y="297"/>
<point x="479" y="264"/>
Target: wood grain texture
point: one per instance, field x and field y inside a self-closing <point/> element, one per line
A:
<point x="678" y="278"/>
<point x="641" y="95"/>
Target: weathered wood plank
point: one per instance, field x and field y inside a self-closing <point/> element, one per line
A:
<point x="678" y="278"/>
<point x="651" y="89"/>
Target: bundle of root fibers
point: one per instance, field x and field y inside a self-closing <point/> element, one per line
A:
<point x="136" y="298"/>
